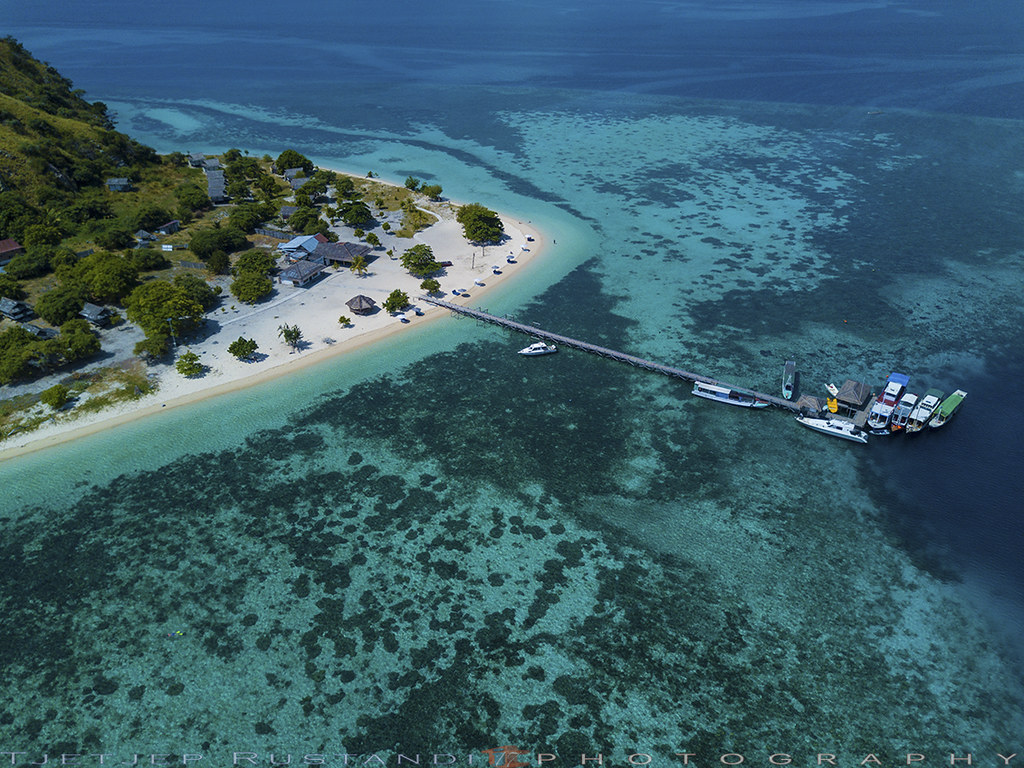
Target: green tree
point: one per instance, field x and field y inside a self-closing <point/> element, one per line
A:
<point x="255" y="260"/>
<point x="344" y="321"/>
<point x="432" y="191"/>
<point x="250" y="287"/>
<point x="10" y="288"/>
<point x="373" y="240"/>
<point x="411" y="182"/>
<point x="160" y="308"/>
<point x="61" y="304"/>
<point x="355" y="213"/>
<point x="396" y="301"/>
<point x="77" y="340"/>
<point x="148" y="259"/>
<point x="28" y="265"/>
<point x="419" y="260"/>
<point x="55" y="397"/>
<point x="218" y="263"/>
<point x="480" y="224"/>
<point x="246" y="216"/>
<point x="191" y="197"/>
<point x="359" y="265"/>
<point x="188" y="364"/>
<point x="292" y="159"/>
<point x="107" y="277"/>
<point x="430" y="285"/>
<point x="112" y="238"/>
<point x="243" y="348"/>
<point x="150" y="216"/>
<point x="227" y="239"/>
<point x="197" y="289"/>
<point x="291" y="334"/>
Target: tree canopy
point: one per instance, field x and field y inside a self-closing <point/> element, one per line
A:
<point x="396" y="301"/>
<point x="188" y="364"/>
<point x="227" y="239"/>
<point x="292" y="159"/>
<point x="250" y="287"/>
<point x="160" y="308"/>
<point x="419" y="260"/>
<point x="480" y="224"/>
<point x="243" y="348"/>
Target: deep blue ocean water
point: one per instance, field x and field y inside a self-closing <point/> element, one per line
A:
<point x="431" y="546"/>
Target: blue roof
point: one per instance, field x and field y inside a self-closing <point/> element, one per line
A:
<point x="900" y="378"/>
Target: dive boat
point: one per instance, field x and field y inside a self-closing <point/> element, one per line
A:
<point x="948" y="409"/>
<point x="840" y="428"/>
<point x="901" y="414"/>
<point x="881" y="410"/>
<point x="538" y="348"/>
<point x="726" y="395"/>
<point x="788" y="379"/>
<point x="924" y="410"/>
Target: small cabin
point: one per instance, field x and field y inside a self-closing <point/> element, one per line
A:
<point x="119" y="185"/>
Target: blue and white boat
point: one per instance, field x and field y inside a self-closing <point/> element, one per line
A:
<point x="726" y="395"/>
<point x="881" y="411"/>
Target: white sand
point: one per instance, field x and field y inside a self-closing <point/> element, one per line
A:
<point x="315" y="308"/>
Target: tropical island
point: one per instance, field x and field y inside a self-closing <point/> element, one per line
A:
<point x="132" y="281"/>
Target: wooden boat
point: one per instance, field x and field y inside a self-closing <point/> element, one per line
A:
<point x="901" y="414"/>
<point x="924" y="410"/>
<point x="726" y="395"/>
<point x="948" y="409"/>
<point x="845" y="430"/>
<point x="788" y="379"/>
<point x="881" y="411"/>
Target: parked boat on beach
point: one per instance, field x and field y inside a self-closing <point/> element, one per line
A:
<point x="948" y="409"/>
<point x="841" y="428"/>
<point x="924" y="410"/>
<point x="881" y="411"/>
<point x="726" y="395"/>
<point x="788" y="379"/>
<point x="901" y="413"/>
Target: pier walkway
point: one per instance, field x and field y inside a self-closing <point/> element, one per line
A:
<point x="622" y="357"/>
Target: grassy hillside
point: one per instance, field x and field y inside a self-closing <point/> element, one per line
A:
<point x="53" y="143"/>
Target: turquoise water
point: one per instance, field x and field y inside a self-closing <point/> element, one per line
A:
<point x="436" y="546"/>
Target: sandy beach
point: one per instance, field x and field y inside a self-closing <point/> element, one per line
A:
<point x="315" y="309"/>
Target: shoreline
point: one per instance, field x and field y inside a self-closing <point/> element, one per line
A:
<point x="302" y="307"/>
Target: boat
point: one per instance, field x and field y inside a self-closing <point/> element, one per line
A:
<point x="726" y="395"/>
<point x="832" y="389"/>
<point x="924" y="410"/>
<point x="901" y="414"/>
<point x="840" y="428"/>
<point x="948" y="409"/>
<point x="788" y="379"/>
<point x="881" y="410"/>
<point x="538" y="348"/>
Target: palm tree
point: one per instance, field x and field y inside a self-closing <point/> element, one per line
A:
<point x="359" y="265"/>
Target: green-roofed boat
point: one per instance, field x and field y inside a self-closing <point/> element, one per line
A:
<point x="948" y="409"/>
<point x="924" y="410"/>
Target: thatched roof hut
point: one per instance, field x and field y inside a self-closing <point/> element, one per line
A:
<point x="361" y="304"/>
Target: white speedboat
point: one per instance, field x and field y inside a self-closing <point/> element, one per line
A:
<point x="901" y="414"/>
<point x="539" y="348"/>
<point x="881" y="412"/>
<point x="726" y="395"/>
<point x="835" y="427"/>
<point x="924" y="410"/>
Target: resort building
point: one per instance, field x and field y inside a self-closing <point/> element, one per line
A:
<point x="119" y="185"/>
<point x="169" y="228"/>
<point x="97" y="315"/>
<point x="361" y="305"/>
<point x="15" y="310"/>
<point x="300" y="273"/>
<point x="299" y="247"/>
<point x="338" y="253"/>
<point x="9" y="249"/>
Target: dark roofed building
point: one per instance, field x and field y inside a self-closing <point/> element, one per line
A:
<point x="211" y="164"/>
<point x="852" y="397"/>
<point x="169" y="228"/>
<point x="119" y="185"/>
<point x="288" y="210"/>
<point x="339" y="253"/>
<point x="95" y="314"/>
<point x="298" y="183"/>
<point x="300" y="273"/>
<point x="293" y="173"/>
<point x="39" y="332"/>
<point x="9" y="249"/>
<point x="195" y="159"/>
<point x="15" y="310"/>
<point x="143" y="236"/>
<point x="215" y="186"/>
<point x="361" y="305"/>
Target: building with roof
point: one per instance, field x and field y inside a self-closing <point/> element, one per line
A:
<point x="361" y="305"/>
<point x="339" y="253"/>
<point x="300" y="273"/>
<point x="119" y="185"/>
<point x="9" y="249"/>
<point x="215" y="186"/>
<point x="18" y="311"/>
<point x="39" y="332"/>
<point x="95" y="314"/>
<point x="288" y="210"/>
<point x="195" y="159"/>
<point x="297" y="184"/>
<point x="293" y="173"/>
<point x="299" y="247"/>
<point x="169" y="228"/>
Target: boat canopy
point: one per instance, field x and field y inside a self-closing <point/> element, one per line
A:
<point x="900" y="378"/>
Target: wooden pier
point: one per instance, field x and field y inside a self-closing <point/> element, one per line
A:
<point x="622" y="357"/>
